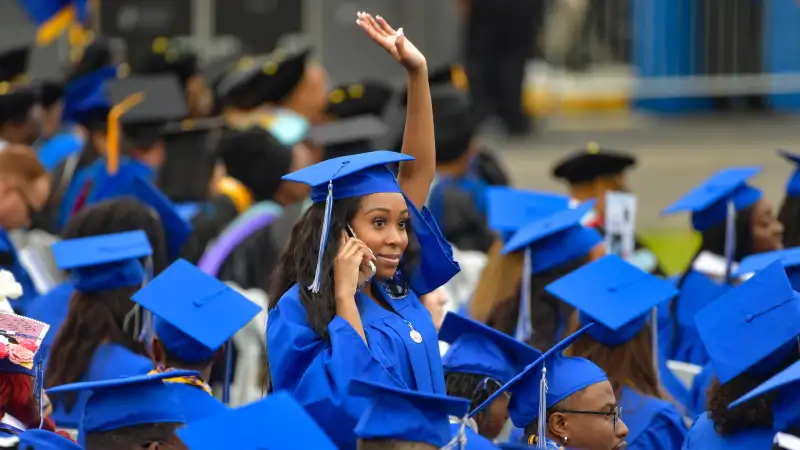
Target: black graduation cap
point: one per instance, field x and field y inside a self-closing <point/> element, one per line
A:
<point x="264" y="79"/>
<point x="453" y="120"/>
<point x="591" y="163"/>
<point x="168" y="56"/>
<point x="348" y="136"/>
<point x="50" y="92"/>
<point x="96" y="55"/>
<point x="162" y="100"/>
<point x="447" y="75"/>
<point x="14" y="64"/>
<point x="188" y="167"/>
<point x="366" y="98"/>
<point x="16" y="96"/>
<point x="255" y="158"/>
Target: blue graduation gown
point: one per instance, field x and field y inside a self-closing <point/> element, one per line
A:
<point x="196" y="403"/>
<point x="474" y="440"/>
<point x="653" y="423"/>
<point x="702" y="436"/>
<point x="110" y="360"/>
<point x="9" y="260"/>
<point x="469" y="183"/>
<point x="58" y="148"/>
<point x="51" y="308"/>
<point x="317" y="372"/>
<point x="699" y="391"/>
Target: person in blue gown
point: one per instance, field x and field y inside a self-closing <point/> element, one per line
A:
<point x="60" y="139"/>
<point x="421" y="420"/>
<point x="24" y="187"/>
<point x="750" y="334"/>
<point x="288" y="427"/>
<point x="618" y="297"/>
<point x="581" y="408"/>
<point x="128" y="411"/>
<point x="101" y="337"/>
<point x="195" y="315"/>
<point x="38" y="439"/>
<point x="107" y="217"/>
<point x="331" y="317"/>
<point x="479" y="360"/>
<point x="708" y="276"/>
<point x="789" y="211"/>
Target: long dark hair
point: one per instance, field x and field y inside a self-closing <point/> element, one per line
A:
<point x="97" y="317"/>
<point x="789" y="216"/>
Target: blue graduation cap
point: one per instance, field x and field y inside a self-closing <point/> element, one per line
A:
<point x="87" y="93"/>
<point x="406" y="415"/>
<point x="793" y="184"/>
<point x="786" y="406"/>
<point x="558" y="375"/>
<point x="763" y="310"/>
<point x="708" y="202"/>
<point x="125" y="402"/>
<point x="289" y="427"/>
<point x="481" y="350"/>
<point x="38" y="439"/>
<point x="614" y="295"/>
<point x="108" y="261"/>
<point x="127" y="182"/>
<point x="365" y="174"/>
<point x="195" y="312"/>
<point x="508" y="209"/>
<point x="789" y="259"/>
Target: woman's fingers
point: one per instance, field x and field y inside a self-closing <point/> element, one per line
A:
<point x="385" y="26"/>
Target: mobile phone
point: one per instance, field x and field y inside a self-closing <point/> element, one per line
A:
<point x="372" y="267"/>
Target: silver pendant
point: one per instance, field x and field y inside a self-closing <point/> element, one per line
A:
<point x="415" y="336"/>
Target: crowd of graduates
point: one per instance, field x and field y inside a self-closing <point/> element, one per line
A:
<point x="154" y="211"/>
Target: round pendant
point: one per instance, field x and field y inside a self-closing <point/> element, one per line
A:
<point x="415" y="336"/>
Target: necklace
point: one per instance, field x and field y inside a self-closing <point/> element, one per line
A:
<point x="415" y="336"/>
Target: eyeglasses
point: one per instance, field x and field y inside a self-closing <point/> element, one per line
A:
<point x="616" y="414"/>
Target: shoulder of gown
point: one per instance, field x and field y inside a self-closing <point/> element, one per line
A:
<point x="112" y="360"/>
<point x="665" y="429"/>
<point x="703" y="436"/>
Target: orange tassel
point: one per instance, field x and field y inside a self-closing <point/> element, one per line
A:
<point x="112" y="137"/>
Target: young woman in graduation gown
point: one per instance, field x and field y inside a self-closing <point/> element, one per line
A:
<point x="24" y="188"/>
<point x="102" y="336"/>
<point x="319" y="339"/>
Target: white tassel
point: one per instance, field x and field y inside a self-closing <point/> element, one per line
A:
<point x="524" y="329"/>
<point x="323" y="240"/>
<point x="542" y="419"/>
<point x="460" y="439"/>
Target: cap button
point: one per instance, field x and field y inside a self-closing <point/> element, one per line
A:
<point x="749" y="317"/>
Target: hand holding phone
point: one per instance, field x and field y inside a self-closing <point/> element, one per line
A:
<point x="353" y="267"/>
<point x="371" y="269"/>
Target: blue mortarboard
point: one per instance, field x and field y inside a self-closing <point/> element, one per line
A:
<point x="406" y="415"/>
<point x="195" y="312"/>
<point x="753" y="326"/>
<point x="708" y="201"/>
<point x="125" y="402"/>
<point x="38" y="439"/>
<point x="365" y="174"/>
<point x="789" y="259"/>
<point x="87" y="93"/>
<point x="127" y="182"/>
<point x="786" y="406"/>
<point x="793" y="184"/>
<point x="289" y="427"/>
<point x="104" y="262"/>
<point x="614" y="295"/>
<point x="565" y="376"/>
<point x="481" y="350"/>
<point x="508" y="209"/>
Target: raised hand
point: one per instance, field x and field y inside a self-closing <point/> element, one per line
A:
<point x="393" y="41"/>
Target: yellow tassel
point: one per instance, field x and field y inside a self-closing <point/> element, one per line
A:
<point x="55" y="26"/>
<point x="112" y="137"/>
<point x="593" y="148"/>
<point x="459" y="78"/>
<point x="232" y="188"/>
<point x="337" y="96"/>
<point x="356" y="91"/>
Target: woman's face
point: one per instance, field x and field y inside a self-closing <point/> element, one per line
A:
<point x="591" y="424"/>
<point x="18" y="201"/>
<point x="199" y="97"/>
<point x="497" y="415"/>
<point x="381" y="224"/>
<point x="767" y="231"/>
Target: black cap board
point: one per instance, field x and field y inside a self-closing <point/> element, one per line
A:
<point x="593" y="162"/>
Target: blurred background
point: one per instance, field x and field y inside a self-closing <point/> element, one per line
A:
<point x="688" y="86"/>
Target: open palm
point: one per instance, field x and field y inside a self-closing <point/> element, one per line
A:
<point x="394" y="42"/>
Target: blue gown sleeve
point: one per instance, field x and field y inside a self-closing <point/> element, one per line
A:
<point x="436" y="266"/>
<point x="316" y="371"/>
<point x="666" y="431"/>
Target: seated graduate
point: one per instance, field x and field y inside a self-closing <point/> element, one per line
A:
<point x="479" y="361"/>
<point x="750" y="334"/>
<point x="195" y="315"/>
<point x="129" y="412"/>
<point x="708" y="275"/>
<point x="789" y="212"/>
<point x="101" y="337"/>
<point x="419" y="421"/>
<point x="329" y="319"/>
<point x="546" y="249"/>
<point x="276" y="422"/>
<point x="106" y="217"/>
<point x="20" y="113"/>
<point x="565" y="401"/>
<point x="168" y="56"/>
<point x="617" y="297"/>
<point x="591" y="173"/>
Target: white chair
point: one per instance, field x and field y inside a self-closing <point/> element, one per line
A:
<point x="685" y="372"/>
<point x="250" y="342"/>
